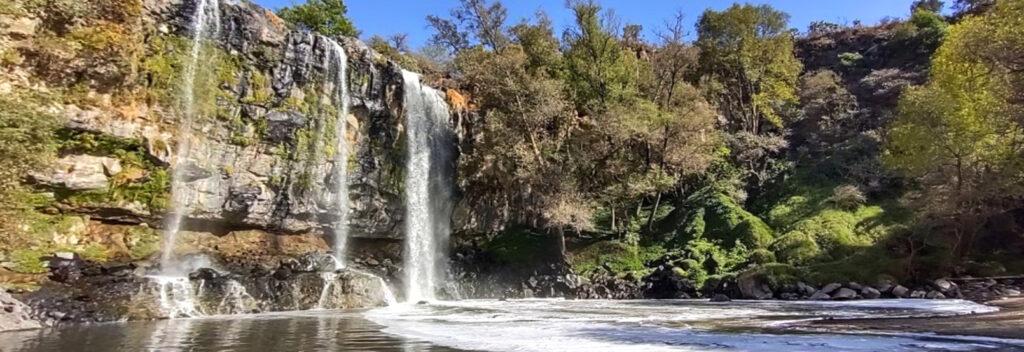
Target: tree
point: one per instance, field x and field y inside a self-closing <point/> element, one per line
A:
<point x="748" y="64"/>
<point x="960" y="136"/>
<point x="518" y="169"/>
<point x="483" y="20"/>
<point x="328" y="17"/>
<point x="972" y="6"/>
<point x="927" y="5"/>
<point x="600" y="70"/>
<point x="672" y="61"/>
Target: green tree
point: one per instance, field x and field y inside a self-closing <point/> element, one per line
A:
<point x="960" y="136"/>
<point x="927" y="5"/>
<point x="748" y="64"/>
<point x="600" y="71"/>
<point x="328" y="17"/>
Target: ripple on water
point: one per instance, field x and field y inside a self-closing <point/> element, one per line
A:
<point x="560" y="325"/>
<point x="521" y="326"/>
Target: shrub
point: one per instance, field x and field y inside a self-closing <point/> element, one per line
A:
<point x="849" y="59"/>
<point x="762" y="256"/>
<point x="847" y="197"/>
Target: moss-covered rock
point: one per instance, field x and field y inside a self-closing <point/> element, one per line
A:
<point x="717" y="217"/>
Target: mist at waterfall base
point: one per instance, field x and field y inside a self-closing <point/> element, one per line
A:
<point x="526" y="326"/>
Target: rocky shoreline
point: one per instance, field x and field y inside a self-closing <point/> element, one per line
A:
<point x="79" y="291"/>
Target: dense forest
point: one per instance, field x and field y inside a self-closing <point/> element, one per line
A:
<point x="836" y="153"/>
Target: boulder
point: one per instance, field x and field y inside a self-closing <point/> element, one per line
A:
<point x="720" y="298"/>
<point x="831" y="288"/>
<point x="900" y="291"/>
<point x="855" y="286"/>
<point x="805" y="289"/>
<point x="870" y="292"/>
<point x="754" y="286"/>
<point x="14" y="315"/>
<point x="918" y="294"/>
<point x="79" y="173"/>
<point x="820" y="296"/>
<point x="844" y="294"/>
<point x="935" y="295"/>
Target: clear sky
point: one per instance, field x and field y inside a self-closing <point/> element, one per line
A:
<point x="387" y="17"/>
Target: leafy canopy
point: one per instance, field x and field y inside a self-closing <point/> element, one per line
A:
<point x="328" y="17"/>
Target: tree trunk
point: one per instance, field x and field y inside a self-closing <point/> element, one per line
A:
<point x="650" y="219"/>
<point x="562" y="252"/>
<point x="614" y="229"/>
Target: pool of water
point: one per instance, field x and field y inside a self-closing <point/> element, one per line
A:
<point x="526" y="325"/>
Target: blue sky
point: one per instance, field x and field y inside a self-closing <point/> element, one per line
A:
<point x="386" y="17"/>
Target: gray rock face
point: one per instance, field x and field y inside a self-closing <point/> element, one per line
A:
<point x="79" y="173"/>
<point x="267" y="160"/>
<point x="14" y="315"/>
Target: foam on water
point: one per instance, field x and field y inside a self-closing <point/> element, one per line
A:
<point x="560" y="325"/>
<point x="177" y="299"/>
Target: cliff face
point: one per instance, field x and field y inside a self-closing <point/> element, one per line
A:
<point x="261" y="150"/>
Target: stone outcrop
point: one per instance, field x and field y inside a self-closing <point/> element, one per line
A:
<point x="84" y="292"/>
<point x="79" y="173"/>
<point x="14" y="315"/>
<point x="261" y="150"/>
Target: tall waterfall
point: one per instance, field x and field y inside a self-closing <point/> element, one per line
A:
<point x="427" y="188"/>
<point x="205" y="25"/>
<point x="337" y="60"/>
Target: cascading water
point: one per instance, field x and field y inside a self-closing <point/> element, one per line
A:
<point x="205" y="25"/>
<point x="325" y="292"/>
<point x="177" y="298"/>
<point x="426" y="188"/>
<point x="337" y="60"/>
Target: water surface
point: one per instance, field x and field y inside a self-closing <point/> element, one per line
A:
<point x="527" y="325"/>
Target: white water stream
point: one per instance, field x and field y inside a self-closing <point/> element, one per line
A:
<point x="205" y="25"/>
<point x="425" y="194"/>
<point x="337" y="61"/>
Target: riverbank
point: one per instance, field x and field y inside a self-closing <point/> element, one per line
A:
<point x="1007" y="323"/>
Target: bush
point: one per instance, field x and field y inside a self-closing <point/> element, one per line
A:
<point x="762" y="256"/>
<point x="847" y="197"/>
<point x="850" y="59"/>
<point x="718" y="217"/>
<point x="796" y="248"/>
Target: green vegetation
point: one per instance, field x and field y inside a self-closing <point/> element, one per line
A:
<point x="959" y="137"/>
<point x="325" y="16"/>
<point x="720" y="157"/>
<point x="142" y="180"/>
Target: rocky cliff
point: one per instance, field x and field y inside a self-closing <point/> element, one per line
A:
<point x="261" y="147"/>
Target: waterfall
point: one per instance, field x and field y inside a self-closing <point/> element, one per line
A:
<point x="205" y="25"/>
<point x="427" y="188"/>
<point x="176" y="296"/>
<point x="329" y="278"/>
<point x="338" y="60"/>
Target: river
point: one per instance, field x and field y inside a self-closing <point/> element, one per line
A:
<point x="527" y="325"/>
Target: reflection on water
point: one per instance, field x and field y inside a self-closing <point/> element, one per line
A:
<point x="524" y="326"/>
<point x="303" y="331"/>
